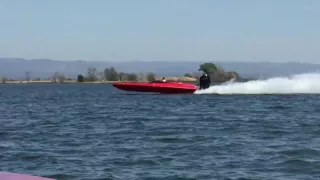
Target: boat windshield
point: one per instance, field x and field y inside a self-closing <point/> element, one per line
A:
<point x="158" y="81"/>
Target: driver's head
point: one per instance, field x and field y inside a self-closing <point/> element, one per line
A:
<point x="205" y="74"/>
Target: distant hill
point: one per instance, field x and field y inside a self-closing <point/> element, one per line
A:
<point x="44" y="68"/>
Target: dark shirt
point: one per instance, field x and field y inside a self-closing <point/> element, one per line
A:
<point x="205" y="82"/>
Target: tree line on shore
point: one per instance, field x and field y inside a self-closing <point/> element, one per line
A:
<point x="92" y="75"/>
<point x="216" y="73"/>
<point x="110" y="74"/>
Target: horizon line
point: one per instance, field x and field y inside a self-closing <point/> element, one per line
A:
<point x="146" y="61"/>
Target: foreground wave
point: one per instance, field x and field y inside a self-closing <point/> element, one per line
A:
<point x="297" y="84"/>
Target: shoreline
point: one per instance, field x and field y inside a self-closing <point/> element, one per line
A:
<point x="183" y="79"/>
<point x="74" y="82"/>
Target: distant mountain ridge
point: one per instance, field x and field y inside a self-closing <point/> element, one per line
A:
<point x="44" y="68"/>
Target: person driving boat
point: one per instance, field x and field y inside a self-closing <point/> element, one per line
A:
<point x="205" y="81"/>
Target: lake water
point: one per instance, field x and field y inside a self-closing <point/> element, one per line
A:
<point x="73" y="132"/>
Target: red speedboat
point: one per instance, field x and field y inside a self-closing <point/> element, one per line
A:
<point x="159" y="87"/>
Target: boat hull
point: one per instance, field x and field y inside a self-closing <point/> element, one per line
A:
<point x="162" y="87"/>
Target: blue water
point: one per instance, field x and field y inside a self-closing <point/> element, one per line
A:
<point x="75" y="132"/>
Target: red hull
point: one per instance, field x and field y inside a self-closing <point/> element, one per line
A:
<point x="159" y="87"/>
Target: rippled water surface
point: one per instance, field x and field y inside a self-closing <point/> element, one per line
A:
<point x="75" y="132"/>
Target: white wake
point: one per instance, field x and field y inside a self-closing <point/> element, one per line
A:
<point x="296" y="84"/>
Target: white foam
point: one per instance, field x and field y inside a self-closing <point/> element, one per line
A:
<point x="300" y="83"/>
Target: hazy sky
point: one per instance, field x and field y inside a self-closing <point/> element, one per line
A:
<point x="173" y="30"/>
